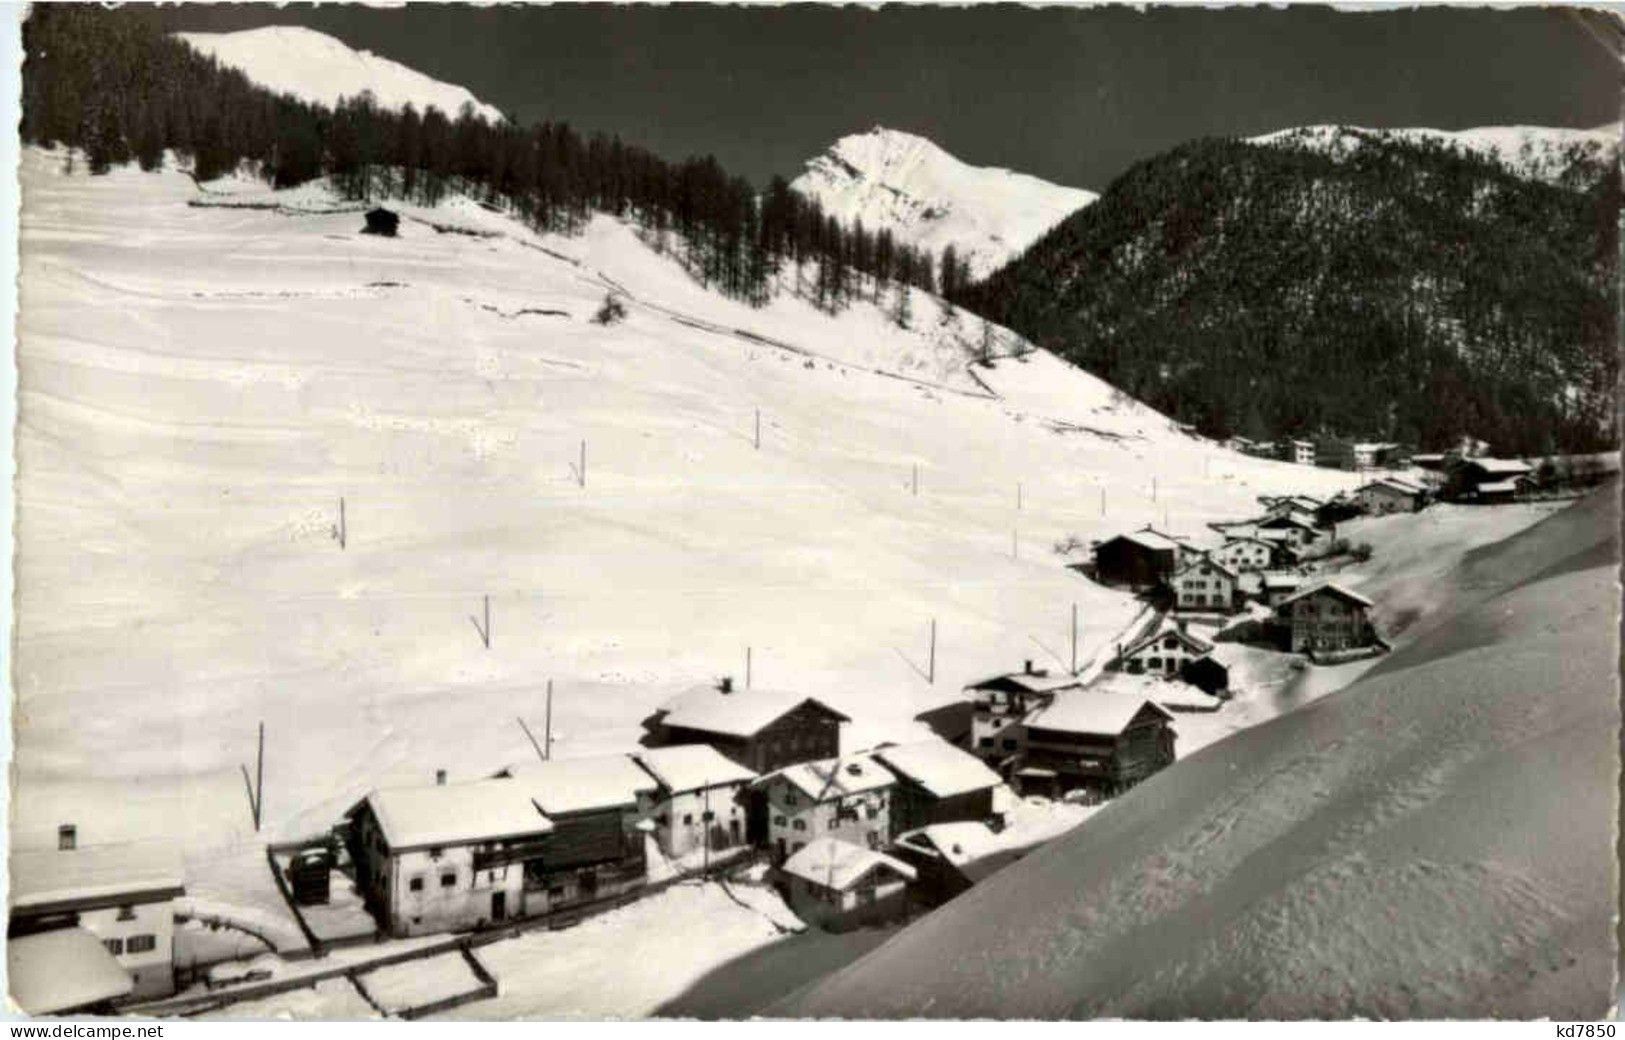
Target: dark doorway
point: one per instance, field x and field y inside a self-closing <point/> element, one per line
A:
<point x="499" y="906"/>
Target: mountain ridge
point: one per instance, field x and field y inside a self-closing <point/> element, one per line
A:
<point x="319" y="68"/>
<point x="926" y="197"/>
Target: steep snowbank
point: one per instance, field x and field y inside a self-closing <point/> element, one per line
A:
<point x="315" y="67"/>
<point x="929" y="199"/>
<point x="1435" y="841"/>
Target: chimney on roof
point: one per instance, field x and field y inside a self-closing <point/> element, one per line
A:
<point x="1181" y="623"/>
<point x="1027" y="666"/>
<point x="440" y="778"/>
<point x="725" y="684"/>
<point x="67" y="837"/>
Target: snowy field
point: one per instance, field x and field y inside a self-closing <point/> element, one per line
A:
<point x="200" y="386"/>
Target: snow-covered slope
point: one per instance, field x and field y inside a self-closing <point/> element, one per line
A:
<point x="200" y="386"/>
<point x="1435" y="841"/>
<point x="315" y="67"/>
<point x="1537" y="152"/>
<point x="929" y="199"/>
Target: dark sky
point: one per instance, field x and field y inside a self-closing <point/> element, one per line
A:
<point x="1074" y="96"/>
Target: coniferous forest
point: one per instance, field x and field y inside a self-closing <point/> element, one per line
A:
<point x="111" y="86"/>
<point x="1404" y="291"/>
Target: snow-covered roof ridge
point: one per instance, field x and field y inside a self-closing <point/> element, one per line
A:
<point x="62" y="969"/>
<point x="839" y="864"/>
<point x="938" y="766"/>
<point x="1327" y="586"/>
<point x="734" y="712"/>
<point x="455" y="814"/>
<point x="1092" y="711"/>
<point x="840" y="777"/>
<point x="41" y="876"/>
<point x="316" y="67"/>
<point x="930" y="199"/>
<point x="691" y="767"/>
<point x="571" y="785"/>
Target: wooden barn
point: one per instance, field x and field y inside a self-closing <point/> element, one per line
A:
<point x="1001" y="702"/>
<point x="952" y="720"/>
<point x="1327" y="618"/>
<point x="1389" y="495"/>
<point x="1094" y="741"/>
<point x="1484" y="479"/>
<point x="937" y="783"/>
<point x="762" y="730"/>
<point x="835" y="885"/>
<point x="1295" y="528"/>
<point x="594" y="849"/>
<point x="1139" y="559"/>
<point x="381" y="221"/>
<point x="951" y="857"/>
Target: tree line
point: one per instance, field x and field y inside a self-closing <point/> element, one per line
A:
<point x="1405" y="291"/>
<point x="112" y="87"/>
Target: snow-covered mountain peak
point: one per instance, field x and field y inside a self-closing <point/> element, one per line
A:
<point x="315" y="67"/>
<point x="929" y="199"/>
<point x="1544" y="153"/>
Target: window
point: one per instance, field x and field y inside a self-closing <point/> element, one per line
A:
<point x="985" y="742"/>
<point x="798" y="846"/>
<point x="114" y="946"/>
<point x="800" y="825"/>
<point x="1009" y="744"/>
<point x="789" y="798"/>
<point x="708" y="816"/>
<point x="141" y="944"/>
<point x="126" y="913"/>
<point x="778" y="821"/>
<point x="1170" y="643"/>
<point x="1155" y="662"/>
<point x="555" y="893"/>
<point x="435" y="853"/>
<point x="688" y="819"/>
<point x="415" y="885"/>
<point x="448" y="879"/>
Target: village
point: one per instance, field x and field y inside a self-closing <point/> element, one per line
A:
<point x="751" y="786"/>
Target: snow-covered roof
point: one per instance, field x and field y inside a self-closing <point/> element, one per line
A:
<point x="1374" y="445"/>
<point x="963" y="844"/>
<point x="1148" y="539"/>
<point x="571" y="785"/>
<point x="939" y="767"/>
<point x="1092" y="711"/>
<point x="456" y="814"/>
<point x="1205" y="560"/>
<point x="692" y="767"/>
<point x="1499" y="467"/>
<point x="1192" y="642"/>
<point x="840" y="864"/>
<point x="1033" y="682"/>
<point x="1331" y="587"/>
<point x="1293" y="517"/>
<point x="836" y="777"/>
<point x="1282" y="581"/>
<point x="738" y="713"/>
<point x="1499" y="485"/>
<point x="61" y="970"/>
<point x="1391" y="484"/>
<point x="95" y="872"/>
<point x="1233" y="539"/>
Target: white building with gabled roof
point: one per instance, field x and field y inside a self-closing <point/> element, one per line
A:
<point x="698" y="801"/>
<point x="449" y="856"/>
<point x="847" y="798"/>
<point x="123" y="894"/>
<point x="1205" y="584"/>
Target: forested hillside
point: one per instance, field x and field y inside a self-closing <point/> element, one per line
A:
<point x="110" y="85"/>
<point x="1404" y="290"/>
